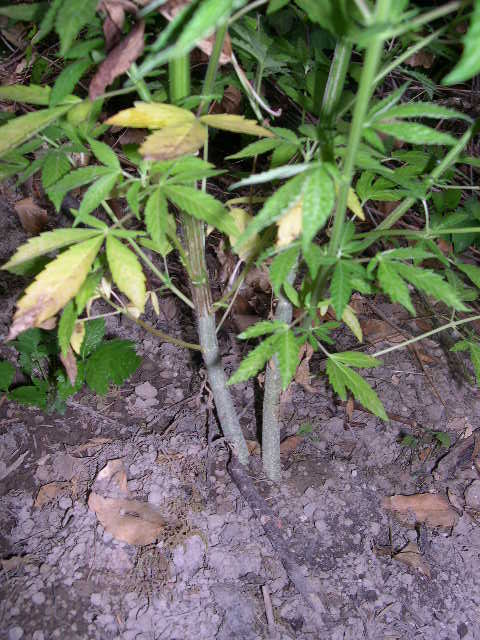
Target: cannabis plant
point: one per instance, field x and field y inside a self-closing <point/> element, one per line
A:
<point x="300" y="180"/>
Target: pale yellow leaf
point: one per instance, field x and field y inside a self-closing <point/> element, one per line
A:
<point x="290" y="225"/>
<point x="154" y="301"/>
<point x="242" y="219"/>
<point x="126" y="272"/>
<point x="174" y="141"/>
<point x="77" y="336"/>
<point x="58" y="283"/>
<point x="353" y="203"/>
<point x="151" y="115"/>
<point x="236" y="124"/>
<point x="349" y="317"/>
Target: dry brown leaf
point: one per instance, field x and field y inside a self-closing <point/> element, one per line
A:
<point x="118" y="60"/>
<point x="432" y="509"/>
<point x="93" y="443"/>
<point x="70" y="363"/>
<point x="113" y="476"/>
<point x="349" y="407"/>
<point x="231" y="101"/>
<point x="411" y="556"/>
<point x="130" y="521"/>
<point x="421" y="59"/>
<point x="32" y="217"/>
<point x="254" y="448"/>
<point x="290" y="444"/>
<point x="9" y="564"/>
<point x="302" y="375"/>
<point x="50" y="492"/>
<point x="114" y="11"/>
<point x="375" y="330"/>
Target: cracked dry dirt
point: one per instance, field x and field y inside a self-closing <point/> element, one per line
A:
<point x="64" y="576"/>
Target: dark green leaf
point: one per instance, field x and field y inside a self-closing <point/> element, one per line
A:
<point x="87" y="290"/>
<point x="469" y="63"/>
<point x="66" y="325"/>
<point x="7" y="373"/>
<point x="415" y="133"/>
<point x="281" y="266"/>
<point x="203" y="206"/>
<point x="262" y="328"/>
<point x="67" y="81"/>
<point x="96" y="193"/>
<point x="279" y="203"/>
<point x="94" y="332"/>
<point x="318" y="201"/>
<point x="255" y="360"/>
<point x="71" y="18"/>
<point x="113" y="362"/>
<point x="393" y="285"/>
<point x="340" y="288"/>
<point x="104" y="154"/>
<point x="24" y="12"/>
<point x="31" y="395"/>
<point x="356" y="359"/>
<point x="432" y="284"/>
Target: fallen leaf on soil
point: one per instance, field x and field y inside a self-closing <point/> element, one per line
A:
<point x="118" y="60"/>
<point x="50" y="492"/>
<point x="456" y="501"/>
<point x="130" y="521"/>
<point x="253" y="447"/>
<point x="32" y="217"/>
<point x="15" y="562"/>
<point x="93" y="443"/>
<point x="432" y="509"/>
<point x="231" y="101"/>
<point x="411" y="556"/>
<point x="376" y="330"/>
<point x="302" y="375"/>
<point x="70" y="363"/>
<point x="421" y="59"/>
<point x="113" y="476"/>
<point x="290" y="444"/>
<point x="114" y="19"/>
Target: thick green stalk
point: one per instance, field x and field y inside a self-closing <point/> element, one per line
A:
<point x="365" y="91"/>
<point x="283" y="313"/>
<point x="271" y="398"/>
<point x="201" y="294"/>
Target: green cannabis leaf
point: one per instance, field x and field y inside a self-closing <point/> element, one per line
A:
<point x="114" y="361"/>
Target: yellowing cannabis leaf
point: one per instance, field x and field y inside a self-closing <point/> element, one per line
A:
<point x="151" y="115"/>
<point x="77" y="336"/>
<point x="249" y="248"/>
<point x="126" y="272"/>
<point x="174" y="141"/>
<point x="237" y="124"/>
<point x="350" y="318"/>
<point x="290" y="225"/>
<point x="353" y="203"/>
<point x="54" y="286"/>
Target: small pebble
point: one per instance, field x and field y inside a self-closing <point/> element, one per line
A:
<point x="15" y="633"/>
<point x="38" y="598"/>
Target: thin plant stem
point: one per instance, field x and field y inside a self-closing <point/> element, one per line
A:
<point x="365" y="91"/>
<point x="195" y="245"/>
<point x="284" y="312"/>
<point x="444" y="327"/>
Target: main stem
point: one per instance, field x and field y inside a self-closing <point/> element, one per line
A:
<point x="179" y="73"/>
<point x="283" y="313"/>
<point x="365" y="91"/>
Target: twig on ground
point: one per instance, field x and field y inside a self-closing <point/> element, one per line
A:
<point x="273" y="527"/>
